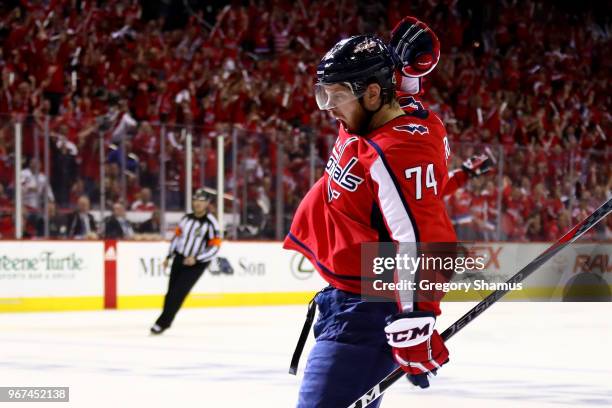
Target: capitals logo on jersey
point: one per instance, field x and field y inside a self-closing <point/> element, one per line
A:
<point x="412" y="129"/>
<point x="341" y="174"/>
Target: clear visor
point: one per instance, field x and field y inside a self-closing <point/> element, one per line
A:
<point x="335" y="95"/>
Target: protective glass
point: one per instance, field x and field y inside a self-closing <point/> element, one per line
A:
<point x="332" y="96"/>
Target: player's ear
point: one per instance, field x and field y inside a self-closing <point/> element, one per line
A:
<point x="372" y="96"/>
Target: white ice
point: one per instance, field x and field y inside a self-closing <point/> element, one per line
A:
<point x="514" y="355"/>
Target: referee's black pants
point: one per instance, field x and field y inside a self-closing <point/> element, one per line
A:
<point x="182" y="279"/>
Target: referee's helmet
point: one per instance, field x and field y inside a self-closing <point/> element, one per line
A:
<point x="201" y="194"/>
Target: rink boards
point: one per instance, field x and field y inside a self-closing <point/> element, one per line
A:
<point x="69" y="275"/>
<point x="62" y="275"/>
<point x="255" y="273"/>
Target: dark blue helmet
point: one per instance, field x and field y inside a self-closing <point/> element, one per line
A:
<point x="359" y="61"/>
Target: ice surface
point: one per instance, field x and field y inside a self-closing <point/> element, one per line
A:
<point x="514" y="355"/>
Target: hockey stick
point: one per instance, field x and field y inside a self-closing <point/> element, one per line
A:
<point x="565" y="240"/>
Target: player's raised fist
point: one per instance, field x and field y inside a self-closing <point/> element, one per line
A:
<point x="416" y="46"/>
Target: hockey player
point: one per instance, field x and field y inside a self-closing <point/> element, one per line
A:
<point x="383" y="183"/>
<point x="417" y="52"/>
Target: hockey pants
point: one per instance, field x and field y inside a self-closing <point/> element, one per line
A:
<point x="351" y="353"/>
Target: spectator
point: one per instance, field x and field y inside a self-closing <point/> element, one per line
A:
<point x="53" y="82"/>
<point x="81" y="223"/>
<point x="117" y="226"/>
<point x="35" y="186"/>
<point x="7" y="229"/>
<point x="6" y="204"/>
<point x="143" y="203"/>
<point x="57" y="223"/>
<point x="152" y="225"/>
<point x="63" y="168"/>
<point x="535" y="231"/>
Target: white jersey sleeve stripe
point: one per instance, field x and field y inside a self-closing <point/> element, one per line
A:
<point x="400" y="226"/>
<point x="391" y="205"/>
<point x="208" y="254"/>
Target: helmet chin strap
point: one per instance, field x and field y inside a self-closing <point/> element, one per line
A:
<point x="369" y="114"/>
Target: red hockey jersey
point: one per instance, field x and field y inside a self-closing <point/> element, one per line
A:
<point x="385" y="186"/>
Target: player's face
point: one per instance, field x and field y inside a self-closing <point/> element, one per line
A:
<point x="344" y="106"/>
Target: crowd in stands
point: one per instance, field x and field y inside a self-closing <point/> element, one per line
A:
<point x="106" y="79"/>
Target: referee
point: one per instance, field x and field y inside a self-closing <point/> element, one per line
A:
<point x="195" y="243"/>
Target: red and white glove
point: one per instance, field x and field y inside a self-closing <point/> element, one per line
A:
<point x="416" y="46"/>
<point x="478" y="164"/>
<point x="417" y="347"/>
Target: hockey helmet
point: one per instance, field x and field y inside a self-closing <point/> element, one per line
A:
<point x="201" y="194"/>
<point x="355" y="62"/>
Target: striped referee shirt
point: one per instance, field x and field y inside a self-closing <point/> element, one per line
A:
<point x="198" y="237"/>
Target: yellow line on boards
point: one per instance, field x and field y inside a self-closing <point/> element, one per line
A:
<point x="50" y="304"/>
<point x="239" y="299"/>
<point x="218" y="300"/>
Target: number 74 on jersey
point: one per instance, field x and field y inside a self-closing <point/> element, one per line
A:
<point x="430" y="179"/>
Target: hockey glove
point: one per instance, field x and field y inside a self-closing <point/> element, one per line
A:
<point x="416" y="346"/>
<point x="416" y="46"/>
<point x="477" y="165"/>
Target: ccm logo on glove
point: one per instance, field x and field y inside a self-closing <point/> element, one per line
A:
<point x="409" y="331"/>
